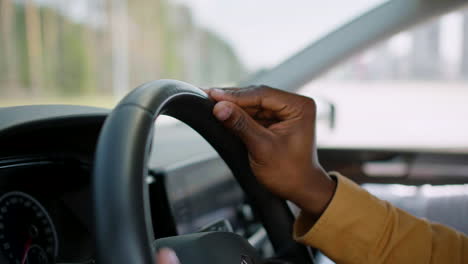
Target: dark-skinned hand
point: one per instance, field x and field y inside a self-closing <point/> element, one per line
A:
<point x="278" y="129"/>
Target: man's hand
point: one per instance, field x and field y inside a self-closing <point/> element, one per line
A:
<point x="167" y="256"/>
<point x="278" y="129"/>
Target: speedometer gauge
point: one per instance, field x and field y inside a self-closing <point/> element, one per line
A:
<point x="27" y="234"/>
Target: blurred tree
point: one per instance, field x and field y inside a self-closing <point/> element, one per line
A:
<point x="171" y="67"/>
<point x="21" y="50"/>
<point x="49" y="52"/>
<point x="145" y="40"/>
<point x="34" y="43"/>
<point x="9" y="65"/>
<point x="50" y="27"/>
<point x="90" y="54"/>
<point x="75" y="72"/>
<point x="103" y="53"/>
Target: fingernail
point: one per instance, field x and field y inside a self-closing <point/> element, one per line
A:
<point x="169" y="255"/>
<point x="223" y="112"/>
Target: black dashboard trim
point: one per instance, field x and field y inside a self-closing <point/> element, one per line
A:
<point x="20" y="115"/>
<point x="41" y="160"/>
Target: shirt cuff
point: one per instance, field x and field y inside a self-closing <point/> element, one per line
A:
<point x="348" y="227"/>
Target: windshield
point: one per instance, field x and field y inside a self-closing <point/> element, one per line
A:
<point x="406" y="92"/>
<point x="91" y="52"/>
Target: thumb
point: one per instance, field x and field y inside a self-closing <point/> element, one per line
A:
<point x="240" y="122"/>
<point x="167" y="256"/>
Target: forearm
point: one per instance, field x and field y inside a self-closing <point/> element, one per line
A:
<point x="360" y="228"/>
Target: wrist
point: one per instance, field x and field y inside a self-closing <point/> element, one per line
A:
<point x="314" y="197"/>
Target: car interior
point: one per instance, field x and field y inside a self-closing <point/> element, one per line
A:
<point x="86" y="184"/>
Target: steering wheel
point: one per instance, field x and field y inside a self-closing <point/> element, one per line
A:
<point x="122" y="216"/>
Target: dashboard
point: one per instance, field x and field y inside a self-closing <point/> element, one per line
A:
<point x="202" y="192"/>
<point x="45" y="211"/>
<point x="46" y="199"/>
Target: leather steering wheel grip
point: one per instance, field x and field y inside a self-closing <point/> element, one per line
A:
<point x="122" y="215"/>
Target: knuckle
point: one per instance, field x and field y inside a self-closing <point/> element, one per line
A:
<point x="309" y="105"/>
<point x="257" y="87"/>
<point x="310" y="102"/>
<point x="239" y="124"/>
<point x="251" y="89"/>
<point x="264" y="88"/>
<point x="259" y="90"/>
<point x="236" y="92"/>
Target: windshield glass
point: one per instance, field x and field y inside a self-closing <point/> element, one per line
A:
<point x="406" y="92"/>
<point x="92" y="52"/>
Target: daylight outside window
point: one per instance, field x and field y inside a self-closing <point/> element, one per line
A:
<point x="92" y="52"/>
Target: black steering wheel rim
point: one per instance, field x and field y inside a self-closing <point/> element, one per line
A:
<point x="122" y="216"/>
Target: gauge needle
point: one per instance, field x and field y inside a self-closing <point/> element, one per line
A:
<point x="27" y="246"/>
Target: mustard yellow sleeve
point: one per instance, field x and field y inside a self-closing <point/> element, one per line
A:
<point x="357" y="227"/>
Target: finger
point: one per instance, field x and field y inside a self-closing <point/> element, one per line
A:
<point x="241" y="123"/>
<point x="283" y="104"/>
<point x="260" y="115"/>
<point x="263" y="117"/>
<point x="167" y="256"/>
<point x="208" y="90"/>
